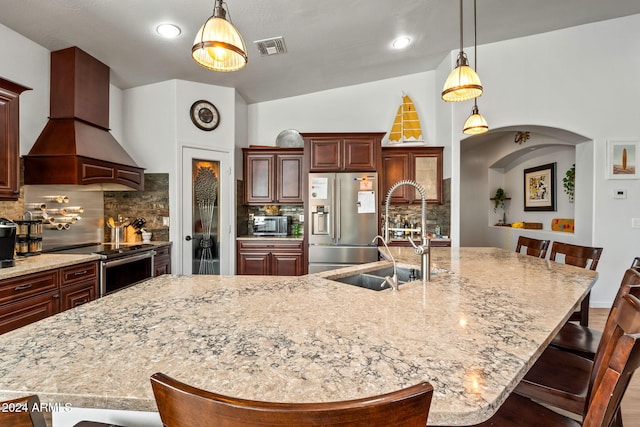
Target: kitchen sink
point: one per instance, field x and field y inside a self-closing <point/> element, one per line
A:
<point x="374" y="280"/>
<point x="404" y="274"/>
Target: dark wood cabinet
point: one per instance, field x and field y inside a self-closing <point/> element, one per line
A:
<point x="72" y="296"/>
<point x="289" y="178"/>
<point x="420" y="164"/>
<point x="27" y="299"/>
<point x="10" y="139"/>
<point x="343" y="152"/>
<point x="78" y="285"/>
<point x="23" y="312"/>
<point x="162" y="261"/>
<point x="273" y="176"/>
<point x="270" y="257"/>
<point x="32" y="297"/>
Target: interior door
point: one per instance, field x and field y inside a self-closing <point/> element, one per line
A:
<point x="207" y="212"/>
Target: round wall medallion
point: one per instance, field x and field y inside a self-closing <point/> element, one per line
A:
<point x="205" y="115"/>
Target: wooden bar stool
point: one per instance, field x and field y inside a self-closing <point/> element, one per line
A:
<point x="562" y="379"/>
<point x="534" y="247"/>
<point x="580" y="256"/>
<point x="606" y="386"/>
<point x="181" y="405"/>
<point x="583" y="340"/>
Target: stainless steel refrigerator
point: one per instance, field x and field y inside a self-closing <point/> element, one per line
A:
<point x="342" y="218"/>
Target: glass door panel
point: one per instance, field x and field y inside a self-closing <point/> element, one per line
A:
<point x="205" y="243"/>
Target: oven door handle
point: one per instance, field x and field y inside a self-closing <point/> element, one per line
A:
<point x="128" y="259"/>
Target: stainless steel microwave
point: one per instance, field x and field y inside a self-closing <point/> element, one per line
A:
<point x="271" y="225"/>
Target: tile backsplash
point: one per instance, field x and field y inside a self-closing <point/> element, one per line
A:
<point x="152" y="204"/>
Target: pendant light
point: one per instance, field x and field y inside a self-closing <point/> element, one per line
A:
<point x="463" y="83"/>
<point x="218" y="45"/>
<point x="475" y="123"/>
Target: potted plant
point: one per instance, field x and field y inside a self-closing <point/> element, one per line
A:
<point x="568" y="181"/>
<point x="499" y="199"/>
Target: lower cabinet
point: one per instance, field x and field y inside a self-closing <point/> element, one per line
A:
<point x="20" y="313"/>
<point x="72" y="296"/>
<point x="32" y="297"/>
<point x="162" y="261"/>
<point x="270" y="257"/>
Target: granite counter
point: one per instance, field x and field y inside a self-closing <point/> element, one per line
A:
<point x="472" y="332"/>
<point x="37" y="263"/>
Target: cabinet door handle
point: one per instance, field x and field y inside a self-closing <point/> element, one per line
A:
<point x="80" y="273"/>
<point x="80" y="302"/>
<point x="22" y="287"/>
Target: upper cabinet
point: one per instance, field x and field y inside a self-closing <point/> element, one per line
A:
<point x="420" y="164"/>
<point x="10" y="139"/>
<point x="343" y="152"/>
<point x="272" y="176"/>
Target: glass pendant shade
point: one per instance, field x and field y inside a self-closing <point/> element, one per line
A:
<point x="475" y="124"/>
<point x="218" y="45"/>
<point x="463" y="83"/>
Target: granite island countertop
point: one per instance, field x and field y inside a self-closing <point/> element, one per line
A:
<point x="472" y="332"/>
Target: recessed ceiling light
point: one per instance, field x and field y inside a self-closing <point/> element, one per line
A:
<point x="401" y="42"/>
<point x="168" y="31"/>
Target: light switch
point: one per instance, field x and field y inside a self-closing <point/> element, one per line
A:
<point x="301" y="218"/>
<point x="635" y="222"/>
<point x="620" y="193"/>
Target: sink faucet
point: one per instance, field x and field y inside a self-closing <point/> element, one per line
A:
<point x="424" y="249"/>
<point x="392" y="281"/>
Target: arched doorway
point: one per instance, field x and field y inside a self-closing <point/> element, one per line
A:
<point x="498" y="159"/>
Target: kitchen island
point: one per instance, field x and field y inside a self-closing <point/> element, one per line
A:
<point x="472" y="332"/>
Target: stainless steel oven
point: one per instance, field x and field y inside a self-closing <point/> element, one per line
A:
<point x="121" y="272"/>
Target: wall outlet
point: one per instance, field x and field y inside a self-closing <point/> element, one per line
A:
<point x="635" y="222"/>
<point x="301" y="218"/>
<point x="165" y="221"/>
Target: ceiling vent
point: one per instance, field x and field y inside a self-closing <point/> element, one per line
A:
<point x="272" y="46"/>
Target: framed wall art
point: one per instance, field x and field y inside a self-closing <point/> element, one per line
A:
<point x="622" y="159"/>
<point x="540" y="188"/>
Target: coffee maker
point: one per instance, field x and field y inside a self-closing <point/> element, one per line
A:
<point x="7" y="242"/>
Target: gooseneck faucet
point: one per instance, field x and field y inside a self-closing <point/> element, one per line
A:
<point x="393" y="280"/>
<point x="424" y="249"/>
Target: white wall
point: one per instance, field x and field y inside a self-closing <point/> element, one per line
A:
<point x="158" y="126"/>
<point x="27" y="63"/>
<point x="369" y="107"/>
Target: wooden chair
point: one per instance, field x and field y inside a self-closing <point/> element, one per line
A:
<point x="583" y="340"/>
<point x="19" y="413"/>
<point x="580" y="256"/>
<point x="607" y="386"/>
<point x="534" y="247"/>
<point x="181" y="405"/>
<point x="25" y="412"/>
<point x="562" y="379"/>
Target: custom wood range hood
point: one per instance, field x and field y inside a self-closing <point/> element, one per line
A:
<point x="75" y="146"/>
